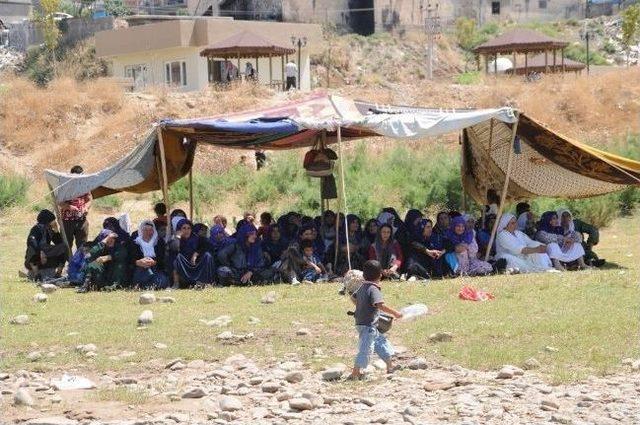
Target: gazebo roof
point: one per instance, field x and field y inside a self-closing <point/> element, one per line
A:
<point x="520" y="40"/>
<point x="245" y="44"/>
<point x="537" y="63"/>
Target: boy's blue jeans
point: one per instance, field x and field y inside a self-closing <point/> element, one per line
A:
<point x="371" y="340"/>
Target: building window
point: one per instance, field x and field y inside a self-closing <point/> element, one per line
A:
<point x="175" y="73"/>
<point x="542" y="4"/>
<point x="495" y="7"/>
<point x="138" y="73"/>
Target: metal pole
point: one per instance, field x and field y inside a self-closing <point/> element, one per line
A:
<point x="59" y="220"/>
<point x="191" y="192"/>
<point x="505" y="188"/>
<point x="587" y="38"/>
<point x="165" y="179"/>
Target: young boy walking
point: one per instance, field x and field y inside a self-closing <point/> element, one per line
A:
<point x="369" y="303"/>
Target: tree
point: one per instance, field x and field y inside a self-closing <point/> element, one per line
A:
<point x="466" y="33"/>
<point x="116" y="8"/>
<point x="49" y="26"/>
<point x="630" y="27"/>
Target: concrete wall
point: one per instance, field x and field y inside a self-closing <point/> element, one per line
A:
<point x="14" y="10"/>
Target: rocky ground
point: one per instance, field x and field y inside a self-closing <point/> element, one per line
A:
<point x="239" y="390"/>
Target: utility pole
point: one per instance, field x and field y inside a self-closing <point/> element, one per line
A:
<point x="299" y="43"/>
<point x="480" y="13"/>
<point x="433" y="29"/>
<point x="587" y="31"/>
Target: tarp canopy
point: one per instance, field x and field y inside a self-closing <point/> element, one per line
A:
<point x="545" y="155"/>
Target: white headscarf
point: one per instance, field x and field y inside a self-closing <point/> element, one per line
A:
<point x="522" y="221"/>
<point x="148" y="248"/>
<point x="125" y="222"/>
<point x="504" y="220"/>
<point x="561" y="211"/>
<point x="174" y="222"/>
<point x="384" y="217"/>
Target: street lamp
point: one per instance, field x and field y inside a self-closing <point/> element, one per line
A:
<point x="299" y="43"/>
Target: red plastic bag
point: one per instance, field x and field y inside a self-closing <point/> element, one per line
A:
<point x="470" y="293"/>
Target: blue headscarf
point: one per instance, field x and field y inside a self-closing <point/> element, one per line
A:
<point x="188" y="246"/>
<point x="432" y="242"/>
<point x="465" y="237"/>
<point x="213" y="240"/>
<point x="253" y="252"/>
<point x="545" y="223"/>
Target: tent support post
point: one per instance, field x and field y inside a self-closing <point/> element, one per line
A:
<point x="165" y="179"/>
<point x="505" y="188"/>
<point x="59" y="220"/>
<point x="191" y="193"/>
<point x="344" y="196"/>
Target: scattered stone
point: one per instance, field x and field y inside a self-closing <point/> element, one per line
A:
<point x="225" y="336"/>
<point x="561" y="419"/>
<point x="53" y="420"/>
<point x="230" y="404"/>
<point x="418" y="363"/>
<point x="509" y="371"/>
<point x="178" y="366"/>
<point x="194" y="393"/>
<point x="220" y="321"/>
<point x="411" y="411"/>
<point x="627" y="361"/>
<point x="551" y="349"/>
<point x="531" y="364"/>
<point x="160" y="346"/>
<point x="367" y="401"/>
<point x="253" y="320"/>
<point x="334" y="372"/>
<point x="190" y="104"/>
<point x="21" y="319"/>
<point x="635" y="365"/>
<point x="260" y="412"/>
<point x="173" y="362"/>
<point x="303" y="332"/>
<point x="167" y="300"/>
<point x="34" y="356"/>
<point x="438" y="386"/>
<point x="441" y="337"/>
<point x="379" y="364"/>
<point x="40" y="298"/>
<point x="48" y="288"/>
<point x="86" y="348"/>
<point x="145" y="318"/>
<point x="4" y="376"/>
<point x="271" y="387"/>
<point x="269" y="298"/>
<point x="127" y="354"/>
<point x="197" y="364"/>
<point x="294" y="377"/>
<point x="550" y="404"/>
<point x="125" y="381"/>
<point x="300" y="403"/>
<point x="147" y="298"/>
<point x="23" y="398"/>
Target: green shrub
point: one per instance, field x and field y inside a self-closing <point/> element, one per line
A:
<point x="578" y="52"/>
<point x="468" y="78"/>
<point x="13" y="190"/>
<point x="108" y="203"/>
<point x="210" y="188"/>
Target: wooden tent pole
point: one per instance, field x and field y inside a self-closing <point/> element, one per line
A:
<point x="56" y="211"/>
<point x="270" y="71"/>
<point x="284" y="82"/>
<point x="165" y="179"/>
<point x="191" y="192"/>
<point x="505" y="188"/>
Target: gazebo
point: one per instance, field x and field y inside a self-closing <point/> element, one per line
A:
<point x="538" y="64"/>
<point x="523" y="41"/>
<point x="246" y="44"/>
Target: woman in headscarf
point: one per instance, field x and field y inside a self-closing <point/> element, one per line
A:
<point x="427" y="253"/>
<point x="385" y="217"/>
<point x="405" y="232"/>
<point x="243" y="262"/>
<point x="563" y="244"/>
<point x="386" y="250"/>
<point x="274" y="245"/>
<point x="354" y="230"/>
<point x="328" y="228"/>
<point x="460" y="241"/>
<point x="148" y="258"/>
<point x="109" y="262"/>
<point x="484" y="234"/>
<point x="292" y="264"/>
<point x="442" y="223"/>
<point x="521" y="252"/>
<point x="46" y="252"/>
<point x="369" y="235"/>
<point x="189" y="261"/>
<point x="218" y="239"/>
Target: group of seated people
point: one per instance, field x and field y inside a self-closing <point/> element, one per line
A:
<point x="171" y="251"/>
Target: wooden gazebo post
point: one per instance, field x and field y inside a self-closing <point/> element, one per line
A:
<point x="270" y="71"/>
<point x="513" y="71"/>
<point x="562" y="52"/>
<point x="257" y="69"/>
<point x="546" y="62"/>
<point x="495" y="65"/>
<point x="284" y="79"/>
<point x="526" y="64"/>
<point x="555" y="67"/>
<point x="238" y="63"/>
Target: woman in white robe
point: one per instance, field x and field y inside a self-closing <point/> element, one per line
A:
<point x="521" y="252"/>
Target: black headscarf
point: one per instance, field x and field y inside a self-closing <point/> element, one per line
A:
<point x="45" y="217"/>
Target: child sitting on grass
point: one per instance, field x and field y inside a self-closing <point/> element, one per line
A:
<point x="313" y="271"/>
<point x="369" y="302"/>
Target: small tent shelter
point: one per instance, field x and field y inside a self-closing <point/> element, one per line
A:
<point x="548" y="164"/>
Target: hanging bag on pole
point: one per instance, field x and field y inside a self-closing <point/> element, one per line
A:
<point x="319" y="161"/>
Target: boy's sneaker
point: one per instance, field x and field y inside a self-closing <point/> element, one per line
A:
<point x="295" y="281"/>
<point x="412" y="279"/>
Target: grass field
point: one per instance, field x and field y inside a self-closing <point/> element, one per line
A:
<point x="590" y="317"/>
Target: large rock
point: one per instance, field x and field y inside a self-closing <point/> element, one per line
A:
<point x="86" y="348"/>
<point x="23" y="398"/>
<point x="40" y="297"/>
<point x="334" y="372"/>
<point x="194" y="393"/>
<point x="167" y="300"/>
<point x="531" y="363"/>
<point x="418" y="363"/>
<point x="21" y="319"/>
<point x="441" y="337"/>
<point x="300" y="403"/>
<point x="230" y="404"/>
<point x="294" y="377"/>
<point x="271" y="387"/>
<point x="147" y="298"/>
<point x="48" y="288"/>
<point x="145" y="318"/>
